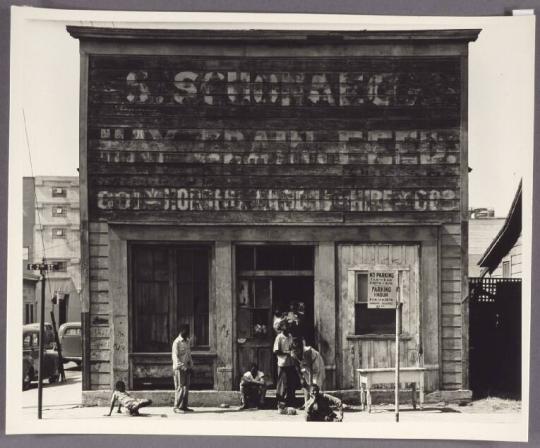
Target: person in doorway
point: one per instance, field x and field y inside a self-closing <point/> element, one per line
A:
<point x="182" y="368"/>
<point x="124" y="399"/>
<point x="253" y="387"/>
<point x="323" y="407"/>
<point x="278" y="317"/>
<point x="311" y="366"/>
<point x="288" y="379"/>
<point x="293" y="320"/>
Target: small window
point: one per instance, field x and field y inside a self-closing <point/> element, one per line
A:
<point x="27" y="341"/>
<point x="61" y="266"/>
<point x="25" y="253"/>
<point x="28" y="313"/>
<point x="72" y="332"/>
<point x="59" y="192"/>
<point x="506" y="269"/>
<point x="58" y="233"/>
<point x="368" y="320"/>
<point x="58" y="211"/>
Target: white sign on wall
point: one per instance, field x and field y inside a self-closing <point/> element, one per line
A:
<point x="382" y="289"/>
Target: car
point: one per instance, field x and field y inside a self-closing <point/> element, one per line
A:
<point x="51" y="361"/>
<point x="69" y="335"/>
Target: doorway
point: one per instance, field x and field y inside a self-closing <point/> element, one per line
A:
<point x="271" y="281"/>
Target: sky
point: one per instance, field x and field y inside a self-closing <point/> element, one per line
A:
<point x="500" y="96"/>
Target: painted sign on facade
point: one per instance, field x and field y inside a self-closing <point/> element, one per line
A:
<point x="172" y="134"/>
<point x="382" y="289"/>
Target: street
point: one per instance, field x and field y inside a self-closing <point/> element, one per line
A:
<point x="58" y="395"/>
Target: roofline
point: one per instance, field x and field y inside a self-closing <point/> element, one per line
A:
<point x="312" y="37"/>
<point x="504" y="228"/>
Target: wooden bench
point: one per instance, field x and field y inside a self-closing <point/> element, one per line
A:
<point x="369" y="377"/>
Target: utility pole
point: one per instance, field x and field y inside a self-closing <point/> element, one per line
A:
<point x="42" y="268"/>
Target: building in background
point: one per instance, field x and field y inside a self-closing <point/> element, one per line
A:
<point x="483" y="226"/>
<point x="503" y="256"/>
<point x="52" y="231"/>
<point x="30" y="279"/>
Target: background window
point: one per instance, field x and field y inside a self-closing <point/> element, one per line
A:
<point x="25" y="253"/>
<point x="58" y="211"/>
<point x="58" y="233"/>
<point x="28" y="314"/>
<point x="371" y="321"/>
<point x="59" y="192"/>
<point x="61" y="265"/>
<point x="506" y="269"/>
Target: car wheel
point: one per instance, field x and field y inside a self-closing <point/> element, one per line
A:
<point x="27" y="379"/>
<point x="53" y="379"/>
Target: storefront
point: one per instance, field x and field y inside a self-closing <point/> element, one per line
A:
<point x="227" y="175"/>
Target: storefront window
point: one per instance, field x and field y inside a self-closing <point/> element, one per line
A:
<point x="170" y="288"/>
<point x="367" y="320"/>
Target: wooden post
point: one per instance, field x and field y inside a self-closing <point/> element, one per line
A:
<point x="398" y="332"/>
<point x="58" y="347"/>
<point x="41" y="337"/>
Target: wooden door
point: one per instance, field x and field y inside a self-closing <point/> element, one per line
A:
<point x="254" y="325"/>
<point x="373" y="346"/>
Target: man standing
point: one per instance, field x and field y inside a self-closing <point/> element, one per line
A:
<point x="182" y="366"/>
<point x="288" y="379"/>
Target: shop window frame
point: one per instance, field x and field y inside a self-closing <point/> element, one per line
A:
<point x="173" y="322"/>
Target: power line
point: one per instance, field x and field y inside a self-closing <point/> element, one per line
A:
<point x="35" y="200"/>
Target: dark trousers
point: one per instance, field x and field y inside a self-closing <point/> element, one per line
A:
<point x="287" y="384"/>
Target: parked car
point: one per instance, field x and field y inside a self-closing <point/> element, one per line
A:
<point x="51" y="362"/>
<point x="69" y="335"/>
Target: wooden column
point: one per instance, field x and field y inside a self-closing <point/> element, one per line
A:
<point x="118" y="285"/>
<point x="325" y="308"/>
<point x="224" y="315"/>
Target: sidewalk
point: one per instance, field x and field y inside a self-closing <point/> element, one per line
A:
<point x="380" y="413"/>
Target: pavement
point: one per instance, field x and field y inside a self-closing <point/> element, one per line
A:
<point x="62" y="401"/>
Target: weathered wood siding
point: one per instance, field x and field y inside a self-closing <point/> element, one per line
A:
<point x="363" y="134"/>
<point x="231" y="139"/>
<point x="370" y="351"/>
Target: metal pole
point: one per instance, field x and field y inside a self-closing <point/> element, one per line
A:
<point x="41" y="338"/>
<point x="398" y="332"/>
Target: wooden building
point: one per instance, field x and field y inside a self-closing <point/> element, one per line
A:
<point x="503" y="256"/>
<point x="225" y="174"/>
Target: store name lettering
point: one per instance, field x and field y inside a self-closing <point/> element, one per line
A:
<point x="200" y="199"/>
<point x="285" y="89"/>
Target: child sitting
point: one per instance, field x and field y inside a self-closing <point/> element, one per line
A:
<point x="323" y="407"/>
<point x="253" y="387"/>
<point x="124" y="399"/>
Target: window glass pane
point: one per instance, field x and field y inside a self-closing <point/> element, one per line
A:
<point x="361" y="287"/>
<point x="151" y="292"/>
<point x="262" y="293"/>
<point x="192" y="287"/>
<point x="374" y="321"/>
<point x="284" y="258"/>
<point x="245" y="258"/>
<point x="27" y="340"/>
<point x="506" y="269"/>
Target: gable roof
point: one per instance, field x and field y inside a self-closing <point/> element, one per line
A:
<point x="506" y="238"/>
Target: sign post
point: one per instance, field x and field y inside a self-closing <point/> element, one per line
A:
<point x="384" y="293"/>
<point x="398" y="332"/>
<point x="42" y="268"/>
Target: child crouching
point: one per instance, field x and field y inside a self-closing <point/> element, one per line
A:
<point x="123" y="398"/>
